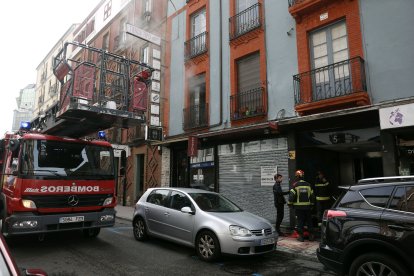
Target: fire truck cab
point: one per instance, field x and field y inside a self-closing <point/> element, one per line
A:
<point x="52" y="183"/>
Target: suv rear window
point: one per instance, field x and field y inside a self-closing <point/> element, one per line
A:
<point x="378" y="196"/>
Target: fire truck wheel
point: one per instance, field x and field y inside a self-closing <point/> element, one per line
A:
<point x="91" y="232"/>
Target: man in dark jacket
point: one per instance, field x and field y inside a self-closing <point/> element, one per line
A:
<point x="280" y="202"/>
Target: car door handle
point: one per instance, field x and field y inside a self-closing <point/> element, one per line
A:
<point x="167" y="214"/>
<point x="400" y="228"/>
<point x="146" y="209"/>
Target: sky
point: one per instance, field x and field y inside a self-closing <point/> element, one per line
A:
<point x="29" y="30"/>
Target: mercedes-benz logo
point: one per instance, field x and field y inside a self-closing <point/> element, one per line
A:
<point x="73" y="200"/>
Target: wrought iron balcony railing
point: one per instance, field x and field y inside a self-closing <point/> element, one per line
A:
<point x="195" y="116"/>
<point x="334" y="80"/>
<point x="196" y="46"/>
<point x="245" y="21"/>
<point x="248" y="104"/>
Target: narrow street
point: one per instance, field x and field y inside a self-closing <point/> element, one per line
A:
<point x="116" y="252"/>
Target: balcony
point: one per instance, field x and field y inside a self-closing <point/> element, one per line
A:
<point x="300" y="7"/>
<point x="196" y="46"/>
<point x="195" y="116"/>
<point x="332" y="87"/>
<point x="246" y="21"/>
<point x="248" y="104"/>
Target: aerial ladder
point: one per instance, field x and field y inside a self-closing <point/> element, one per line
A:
<point x="99" y="90"/>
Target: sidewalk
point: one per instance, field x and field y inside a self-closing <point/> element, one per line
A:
<point x="287" y="244"/>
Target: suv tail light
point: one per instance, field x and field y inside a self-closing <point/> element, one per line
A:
<point x="332" y="214"/>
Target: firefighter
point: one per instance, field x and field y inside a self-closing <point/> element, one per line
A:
<point x="323" y="199"/>
<point x="301" y="198"/>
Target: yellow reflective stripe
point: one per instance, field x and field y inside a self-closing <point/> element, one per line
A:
<point x="322" y="197"/>
<point x="322" y="184"/>
<point x="301" y="203"/>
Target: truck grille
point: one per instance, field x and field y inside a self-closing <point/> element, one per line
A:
<point x="62" y="201"/>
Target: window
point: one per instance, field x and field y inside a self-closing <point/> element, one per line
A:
<point x="378" y="196"/>
<point x="353" y="200"/>
<point x="179" y="200"/>
<point x="147" y="6"/>
<point x="107" y="10"/>
<point x="403" y="199"/>
<point x="248" y="72"/>
<point x="196" y="114"/>
<point x="244" y="4"/>
<point x="328" y="46"/>
<point x="145" y="51"/>
<point x="248" y="100"/>
<point x="105" y="42"/>
<point x="198" y="23"/>
<point x="158" y="197"/>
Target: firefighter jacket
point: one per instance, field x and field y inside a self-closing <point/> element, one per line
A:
<point x="301" y="195"/>
<point x="322" y="189"/>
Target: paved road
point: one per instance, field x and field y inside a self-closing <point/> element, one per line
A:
<point x="116" y="252"/>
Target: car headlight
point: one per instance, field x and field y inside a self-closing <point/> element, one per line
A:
<point x="239" y="231"/>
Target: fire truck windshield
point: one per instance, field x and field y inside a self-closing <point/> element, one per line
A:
<point x="56" y="159"/>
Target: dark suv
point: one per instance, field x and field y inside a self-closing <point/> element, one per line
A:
<point x="370" y="229"/>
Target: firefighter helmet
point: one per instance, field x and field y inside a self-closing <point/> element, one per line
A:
<point x="300" y="173"/>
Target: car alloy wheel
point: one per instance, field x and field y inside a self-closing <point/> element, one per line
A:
<point x="374" y="264"/>
<point x="140" y="231"/>
<point x="208" y="247"/>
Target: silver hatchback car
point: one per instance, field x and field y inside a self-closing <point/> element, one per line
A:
<point x="204" y="220"/>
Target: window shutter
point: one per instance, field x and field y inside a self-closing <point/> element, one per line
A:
<point x="248" y="72"/>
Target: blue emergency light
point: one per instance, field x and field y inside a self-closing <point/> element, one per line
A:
<point x="102" y="135"/>
<point x="25" y="125"/>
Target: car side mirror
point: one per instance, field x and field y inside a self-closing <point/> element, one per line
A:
<point x="187" y="210"/>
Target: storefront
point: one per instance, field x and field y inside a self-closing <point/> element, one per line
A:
<point x="398" y="122"/>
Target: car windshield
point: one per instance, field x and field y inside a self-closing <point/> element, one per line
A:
<point x="55" y="159"/>
<point x="210" y="202"/>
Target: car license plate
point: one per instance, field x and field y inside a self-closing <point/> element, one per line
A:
<point x="267" y="241"/>
<point x="71" y="219"/>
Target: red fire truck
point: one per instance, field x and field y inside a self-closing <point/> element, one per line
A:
<point x="51" y="183"/>
<point x="50" y="179"/>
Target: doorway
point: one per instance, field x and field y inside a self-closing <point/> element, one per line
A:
<point x="139" y="175"/>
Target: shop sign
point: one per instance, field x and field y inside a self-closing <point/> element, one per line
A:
<point x="397" y="116"/>
<point x="267" y="174"/>
<point x="135" y="31"/>
<point x="202" y="165"/>
<point x="192" y="150"/>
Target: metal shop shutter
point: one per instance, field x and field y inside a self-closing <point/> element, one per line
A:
<point x="240" y="181"/>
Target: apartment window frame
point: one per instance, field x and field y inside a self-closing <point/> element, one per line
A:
<point x="323" y="44"/>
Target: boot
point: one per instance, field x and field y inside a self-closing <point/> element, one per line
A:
<point x="311" y="237"/>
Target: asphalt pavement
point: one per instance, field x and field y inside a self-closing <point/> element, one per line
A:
<point x="288" y="244"/>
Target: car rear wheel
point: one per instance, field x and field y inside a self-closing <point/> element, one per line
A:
<point x="375" y="264"/>
<point x="91" y="232"/>
<point x="140" y="229"/>
<point x="207" y="246"/>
